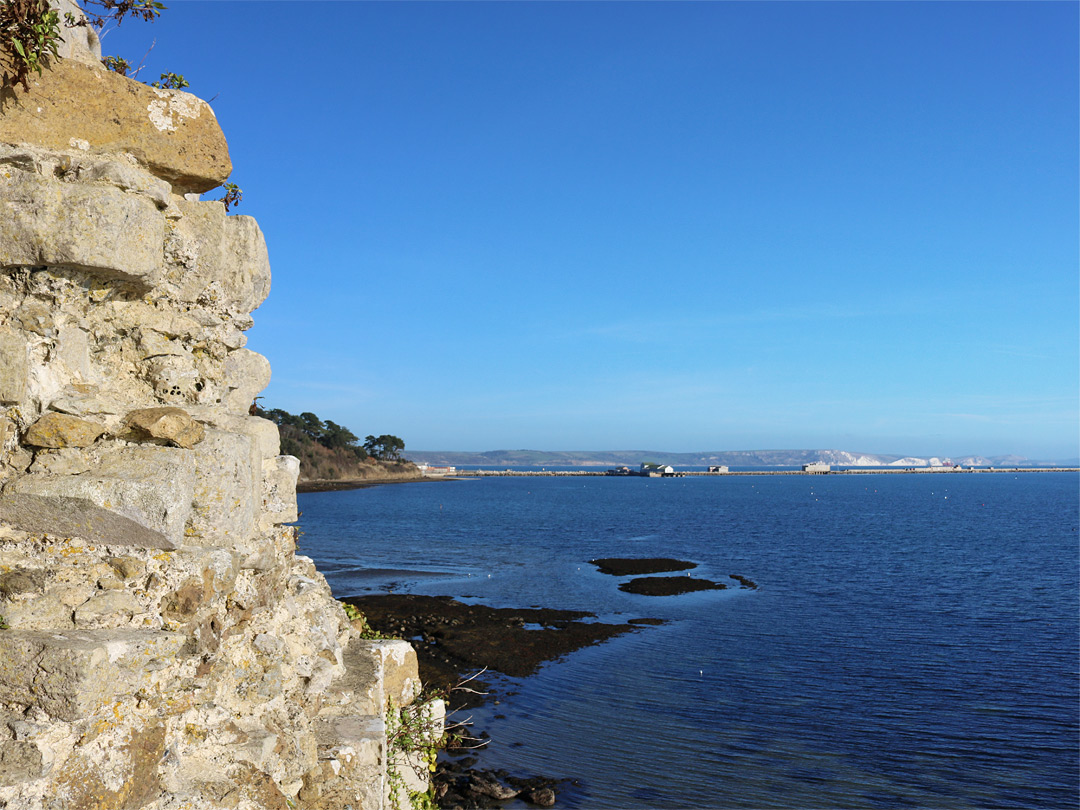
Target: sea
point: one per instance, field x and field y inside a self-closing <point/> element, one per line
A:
<point x="913" y="641"/>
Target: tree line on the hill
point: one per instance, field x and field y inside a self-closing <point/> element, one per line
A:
<point x="330" y="451"/>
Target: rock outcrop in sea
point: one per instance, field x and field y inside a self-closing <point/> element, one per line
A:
<point x="162" y="644"/>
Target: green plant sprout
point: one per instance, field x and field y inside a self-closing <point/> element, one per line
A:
<point x="366" y="630"/>
<point x="414" y="736"/>
<point x="233" y="195"/>
<point x="30" y="34"/>
<point x="30" y="31"/>
<point x="170" y="81"/>
<point x="117" y="64"/>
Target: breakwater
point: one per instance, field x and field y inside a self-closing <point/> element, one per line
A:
<point x="703" y="474"/>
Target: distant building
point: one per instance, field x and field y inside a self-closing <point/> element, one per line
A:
<point x="656" y="470"/>
<point x="432" y="469"/>
<point x="816" y="467"/>
<point x="718" y="468"/>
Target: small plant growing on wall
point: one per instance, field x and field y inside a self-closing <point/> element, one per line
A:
<point x="414" y="737"/>
<point x="117" y="64"/>
<point x="233" y="195"/>
<point x="360" y="623"/>
<point x="170" y="81"/>
<point x="30" y="32"/>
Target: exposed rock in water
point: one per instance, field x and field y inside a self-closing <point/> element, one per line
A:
<point x="669" y="586"/>
<point x="623" y="567"/>
<point x="460" y="786"/>
<point x="458" y="639"/>
<point x="746" y="582"/>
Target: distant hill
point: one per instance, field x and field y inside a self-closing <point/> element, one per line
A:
<point x="732" y="458"/>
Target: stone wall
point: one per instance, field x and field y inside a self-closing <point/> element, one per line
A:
<point x="165" y="647"/>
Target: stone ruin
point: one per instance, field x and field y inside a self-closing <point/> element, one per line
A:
<point x="162" y="644"/>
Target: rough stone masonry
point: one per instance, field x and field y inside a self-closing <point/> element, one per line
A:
<point x="164" y="647"/>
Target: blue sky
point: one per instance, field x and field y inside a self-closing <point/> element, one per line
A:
<point x="675" y="226"/>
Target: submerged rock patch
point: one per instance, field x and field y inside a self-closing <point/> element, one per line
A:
<point x="626" y="567"/>
<point x="669" y="586"/>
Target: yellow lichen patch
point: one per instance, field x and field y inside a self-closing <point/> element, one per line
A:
<point x="195" y="732"/>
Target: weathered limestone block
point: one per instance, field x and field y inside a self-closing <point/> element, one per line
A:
<point x="143" y="316"/>
<point x="172" y="425"/>
<point x="120" y="171"/>
<point x="263" y="433"/>
<point x="93" y="403"/>
<point x="21" y="581"/>
<point x="247" y="263"/>
<point x="128" y="178"/>
<point x="359" y="691"/>
<point x="399" y="670"/>
<point x="227" y="492"/>
<point x="246" y="375"/>
<point x="173" y="133"/>
<point x="55" y="430"/>
<point x="279" y="491"/>
<point x="62" y="461"/>
<point x="13" y="366"/>
<point x="117" y="768"/>
<point x="173" y="377"/>
<point x="48" y="612"/>
<point x="209" y="576"/>
<point x="98" y="228"/>
<point x="377" y="671"/>
<point x="77" y="517"/>
<point x="71" y="675"/>
<point x="109" y="608"/>
<point x="35" y="316"/>
<point x="353" y="732"/>
<point x="19" y="762"/>
<point x="352" y="754"/>
<point x="152" y="486"/>
<point x="80" y="43"/>
<point x="73" y="350"/>
<point x="217" y="260"/>
<point x="7" y="430"/>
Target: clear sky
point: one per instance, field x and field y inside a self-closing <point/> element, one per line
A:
<point x="674" y="226"/>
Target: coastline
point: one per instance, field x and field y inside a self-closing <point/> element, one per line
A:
<point x="331" y="485"/>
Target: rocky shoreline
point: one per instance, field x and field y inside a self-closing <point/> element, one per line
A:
<point x="335" y="485"/>
<point x="455" y="641"/>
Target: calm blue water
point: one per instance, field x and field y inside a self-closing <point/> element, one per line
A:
<point x="913" y="642"/>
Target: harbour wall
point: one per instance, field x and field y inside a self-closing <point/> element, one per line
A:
<point x="702" y="474"/>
